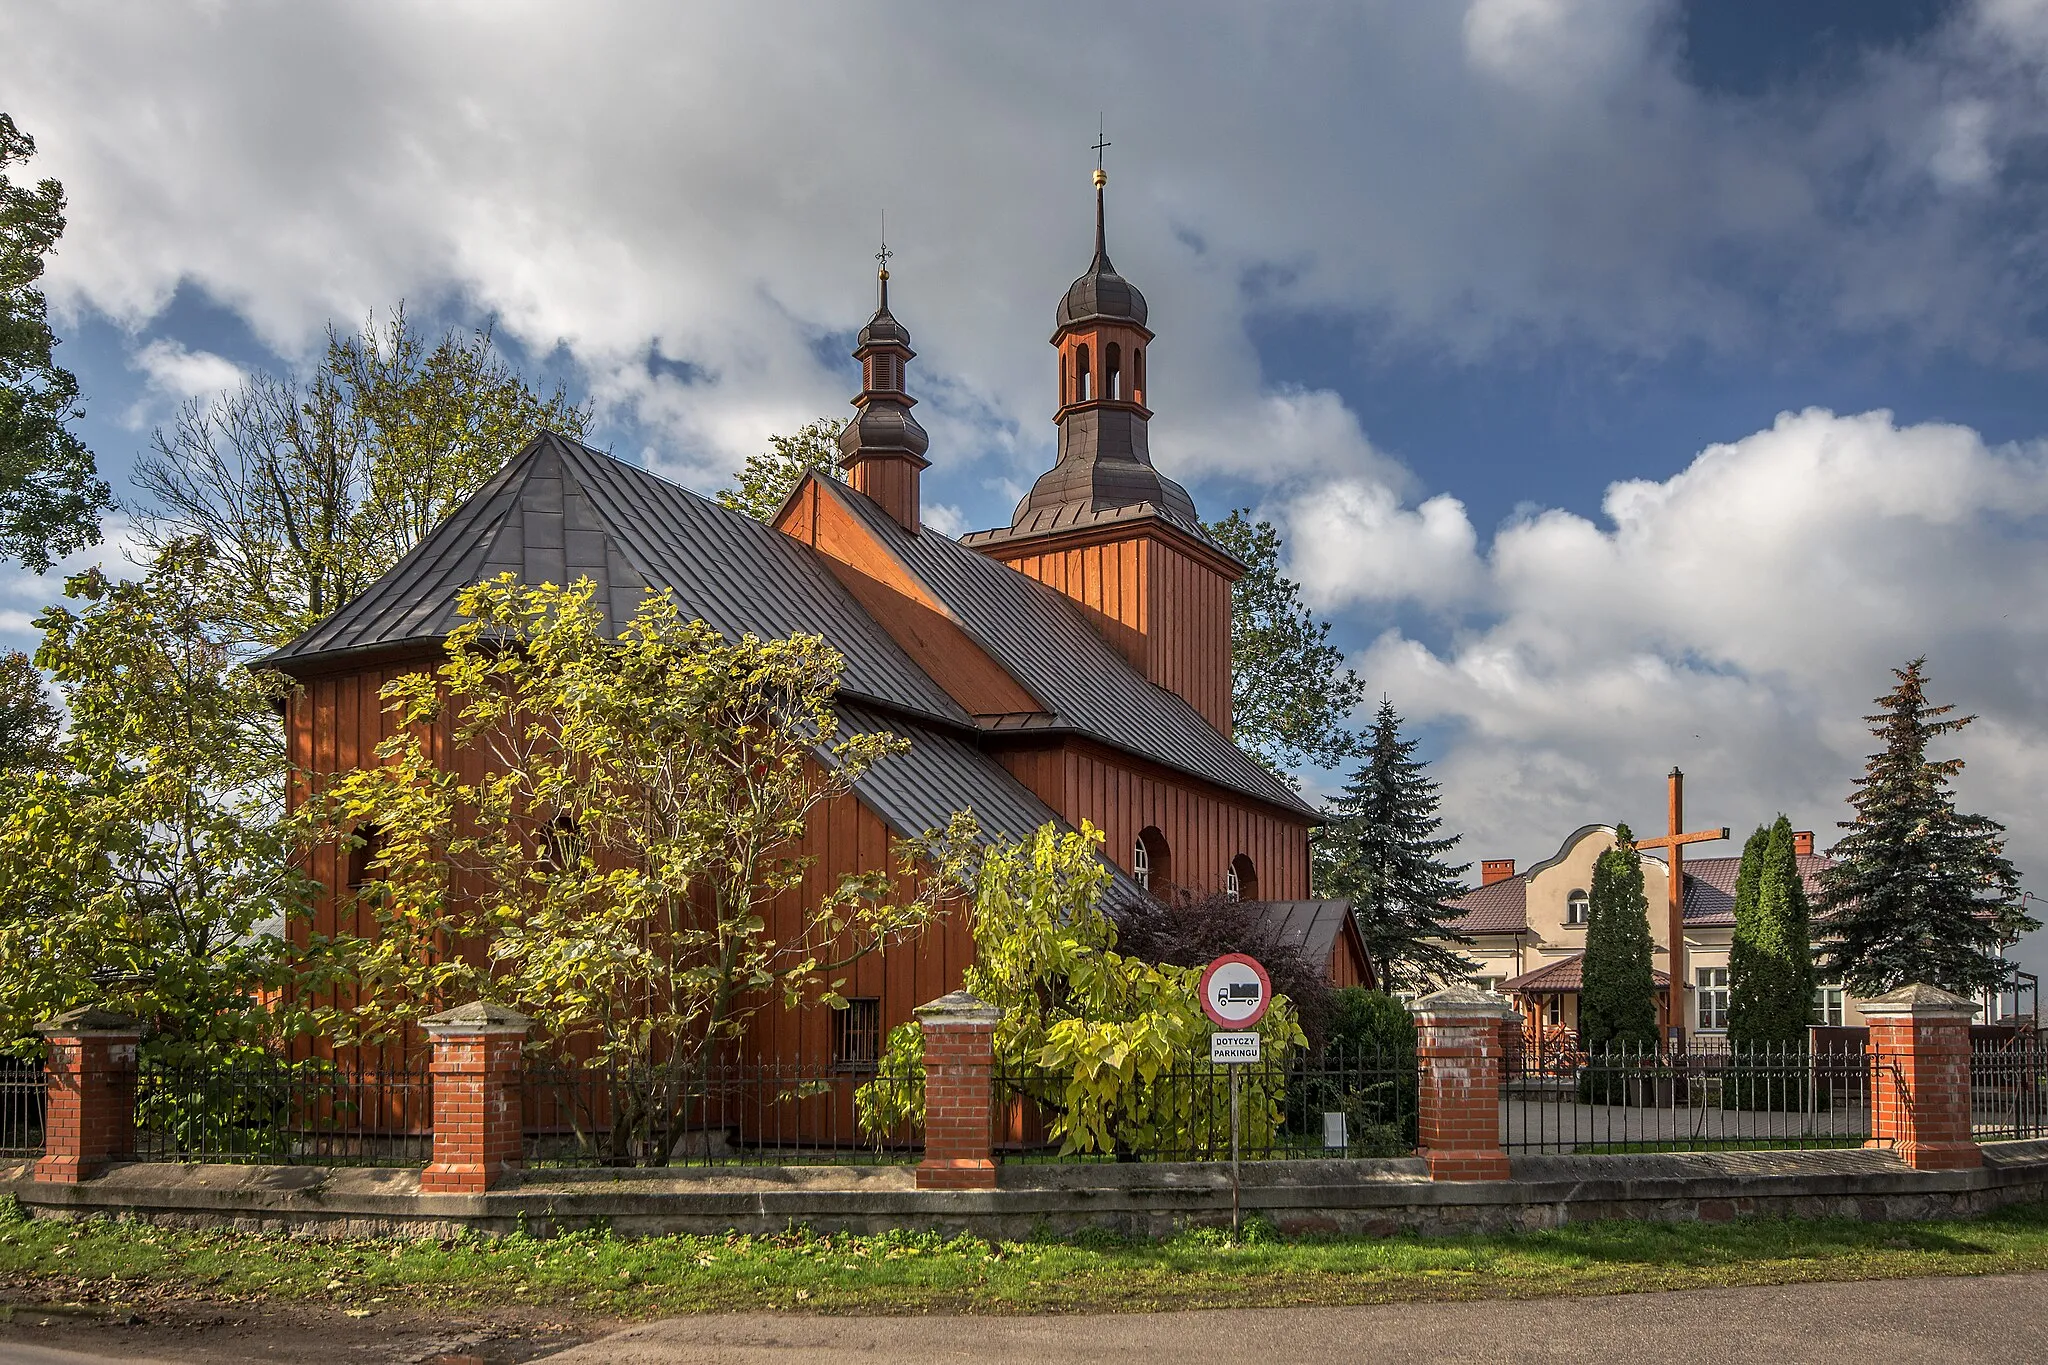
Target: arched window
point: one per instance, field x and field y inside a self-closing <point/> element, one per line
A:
<point x="1113" y="371"/>
<point x="562" y="845"/>
<point x="1064" y="389"/>
<point x="1578" y="908"/>
<point x="1138" y="374"/>
<point x="1082" y="377"/>
<point x="1243" y="879"/>
<point x="362" y="852"/>
<point x="1151" y="863"/>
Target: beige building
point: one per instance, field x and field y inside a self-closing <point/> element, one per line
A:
<point x="1528" y="932"/>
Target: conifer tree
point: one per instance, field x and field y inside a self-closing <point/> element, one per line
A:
<point x="1383" y="853"/>
<point x="1770" y="965"/>
<point x="1917" y="892"/>
<point x="1618" y="990"/>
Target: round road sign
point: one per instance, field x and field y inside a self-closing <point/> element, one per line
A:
<point x="1236" y="991"/>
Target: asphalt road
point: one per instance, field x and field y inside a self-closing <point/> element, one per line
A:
<point x="1949" y="1321"/>
<point x="1992" y="1318"/>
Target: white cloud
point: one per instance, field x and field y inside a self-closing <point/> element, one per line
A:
<point x="1352" y="540"/>
<point x="706" y="180"/>
<point x="1735" y="620"/>
<point x="175" y="374"/>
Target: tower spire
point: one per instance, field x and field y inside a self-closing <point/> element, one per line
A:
<point x="882" y="448"/>
<point x="1101" y="179"/>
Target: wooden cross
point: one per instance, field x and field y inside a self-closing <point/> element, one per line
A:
<point x="1675" y="842"/>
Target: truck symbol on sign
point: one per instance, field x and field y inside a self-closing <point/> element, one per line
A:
<point x="1237" y="993"/>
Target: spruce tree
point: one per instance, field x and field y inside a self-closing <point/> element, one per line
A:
<point x="1382" y="852"/>
<point x="1618" y="989"/>
<point x="1917" y="892"/>
<point x="1770" y="966"/>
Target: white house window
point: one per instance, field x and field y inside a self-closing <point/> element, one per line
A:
<point x="1553" y="1011"/>
<point x="1829" y="1006"/>
<point x="1578" y="908"/>
<point x="1713" y="989"/>
<point x="1141" y="864"/>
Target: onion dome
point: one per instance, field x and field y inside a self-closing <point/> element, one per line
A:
<point x="1101" y="293"/>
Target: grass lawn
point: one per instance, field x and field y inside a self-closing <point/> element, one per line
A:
<point x="594" y="1274"/>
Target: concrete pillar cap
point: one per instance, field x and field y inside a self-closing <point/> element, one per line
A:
<point x="1463" y="1001"/>
<point x="961" y="1007"/>
<point x="1921" y="1002"/>
<point x="88" y="1019"/>
<point x="476" y="1017"/>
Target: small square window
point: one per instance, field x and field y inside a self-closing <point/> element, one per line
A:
<point x="857" y="1034"/>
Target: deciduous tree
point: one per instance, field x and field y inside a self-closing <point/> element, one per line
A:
<point x="29" y="725"/>
<point x="1291" y="695"/>
<point x="50" y="494"/>
<point x="1382" y="851"/>
<point x="309" y="491"/>
<point x="623" y="863"/>
<point x="1917" y="891"/>
<point x="149" y="870"/>
<point x="761" y="485"/>
<point x="1101" y="1042"/>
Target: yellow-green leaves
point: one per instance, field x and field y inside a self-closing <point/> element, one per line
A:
<point x="607" y="834"/>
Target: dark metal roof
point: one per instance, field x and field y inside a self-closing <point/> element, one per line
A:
<point x="918" y="791"/>
<point x="1041" y="640"/>
<point x="1312" y="927"/>
<point x="1101" y="292"/>
<point x="561" y="510"/>
<point x="1046" y="521"/>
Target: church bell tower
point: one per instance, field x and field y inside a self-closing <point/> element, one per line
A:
<point x="1106" y="528"/>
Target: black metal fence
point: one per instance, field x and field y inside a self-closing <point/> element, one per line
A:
<point x="1651" y="1100"/>
<point x="1335" y="1105"/>
<point x="286" y="1112"/>
<point x="2009" y="1089"/>
<point x="728" y="1114"/>
<point x="23" y="1101"/>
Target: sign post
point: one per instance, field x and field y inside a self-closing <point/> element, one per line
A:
<point x="1236" y="992"/>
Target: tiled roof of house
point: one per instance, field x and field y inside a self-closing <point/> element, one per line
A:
<point x="1499" y="908"/>
<point x="1710" y="887"/>
<point x="1565" y="975"/>
<point x="1502" y="908"/>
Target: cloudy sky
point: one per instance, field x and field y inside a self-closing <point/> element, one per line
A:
<point x="1636" y="381"/>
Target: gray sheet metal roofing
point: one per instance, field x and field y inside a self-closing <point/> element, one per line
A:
<point x="1042" y="641"/>
<point x="561" y="510"/>
<point x="918" y="790"/>
<point x="1309" y="926"/>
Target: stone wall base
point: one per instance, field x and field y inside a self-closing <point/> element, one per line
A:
<point x="1156" y="1200"/>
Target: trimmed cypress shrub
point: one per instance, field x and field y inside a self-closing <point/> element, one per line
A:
<point x="1618" y="989"/>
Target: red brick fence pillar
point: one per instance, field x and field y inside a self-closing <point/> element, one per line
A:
<point x="89" y="1113"/>
<point x="1458" y="1047"/>
<point x="477" y="1123"/>
<point x="1920" y="1082"/>
<point x="959" y="1066"/>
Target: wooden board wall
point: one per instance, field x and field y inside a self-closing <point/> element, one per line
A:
<point x="1165" y="609"/>
<point x="336" y="722"/>
<point x="1204" y="827"/>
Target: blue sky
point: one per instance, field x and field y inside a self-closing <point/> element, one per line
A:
<point x="1635" y="381"/>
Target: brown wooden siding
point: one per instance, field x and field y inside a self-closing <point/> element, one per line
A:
<point x="1165" y="609"/>
<point x="1205" y="827"/>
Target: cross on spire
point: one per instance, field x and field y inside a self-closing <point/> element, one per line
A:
<point x="1100" y="141"/>
<point x="882" y="256"/>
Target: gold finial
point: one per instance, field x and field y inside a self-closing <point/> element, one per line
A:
<point x="1101" y="176"/>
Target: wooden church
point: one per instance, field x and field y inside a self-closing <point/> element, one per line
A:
<point x="1073" y="665"/>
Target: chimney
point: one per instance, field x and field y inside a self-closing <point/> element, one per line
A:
<point x="1493" y="870"/>
<point x="1802" y="842"/>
